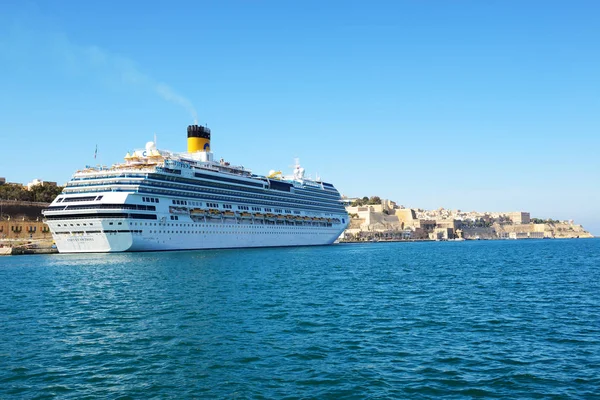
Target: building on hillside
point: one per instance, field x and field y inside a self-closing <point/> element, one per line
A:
<point x="346" y="201"/>
<point x="425" y="224"/>
<point x="37" y="182"/>
<point x="442" y="234"/>
<point x="388" y="205"/>
<point x="366" y="212"/>
<point x="406" y="217"/>
<point x="519" y="217"/>
<point x="518" y="235"/>
<point x="453" y="224"/>
<point x="2" y="181"/>
<point x="362" y="211"/>
<point x="526" y="235"/>
<point x="503" y="235"/>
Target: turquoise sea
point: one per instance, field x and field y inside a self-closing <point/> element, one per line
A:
<point x="503" y="319"/>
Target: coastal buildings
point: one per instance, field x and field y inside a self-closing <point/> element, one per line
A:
<point x="38" y="182"/>
<point x="22" y="229"/>
<point x="519" y="217"/>
<point x="376" y="222"/>
<point x="21" y="210"/>
<point x="526" y="235"/>
<point x="442" y="234"/>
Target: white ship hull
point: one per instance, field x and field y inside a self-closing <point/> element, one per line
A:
<point x="221" y="235"/>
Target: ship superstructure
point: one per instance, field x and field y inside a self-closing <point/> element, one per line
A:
<point x="160" y="200"/>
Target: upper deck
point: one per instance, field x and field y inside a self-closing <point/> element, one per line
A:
<point x="192" y="165"/>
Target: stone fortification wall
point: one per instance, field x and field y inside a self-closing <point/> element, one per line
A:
<point x="556" y="230"/>
<point x="355" y="223"/>
<point x="22" y="210"/>
<point x="479" y="233"/>
<point x="22" y="220"/>
<point x="406" y="216"/>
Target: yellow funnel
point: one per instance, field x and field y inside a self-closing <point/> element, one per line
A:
<point x="198" y="138"/>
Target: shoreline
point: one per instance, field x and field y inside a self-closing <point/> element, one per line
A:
<point x="31" y="246"/>
<point x="462" y="240"/>
<point x="46" y="247"/>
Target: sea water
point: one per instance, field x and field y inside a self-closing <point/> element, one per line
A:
<point x="518" y="319"/>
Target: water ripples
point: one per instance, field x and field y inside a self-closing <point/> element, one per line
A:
<point x="419" y="320"/>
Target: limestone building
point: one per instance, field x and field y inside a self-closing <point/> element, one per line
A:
<point x="519" y="217"/>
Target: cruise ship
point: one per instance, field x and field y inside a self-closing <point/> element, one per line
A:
<point x="161" y="200"/>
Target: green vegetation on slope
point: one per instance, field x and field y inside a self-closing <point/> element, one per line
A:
<point x="39" y="193"/>
<point x="366" y="201"/>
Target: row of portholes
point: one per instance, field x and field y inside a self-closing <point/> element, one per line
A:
<point x="84" y="224"/>
<point x="219" y="225"/>
<point x="200" y="225"/>
<point x="228" y="232"/>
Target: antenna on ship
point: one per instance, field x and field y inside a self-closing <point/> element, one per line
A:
<point x="296" y="163"/>
<point x="298" y="170"/>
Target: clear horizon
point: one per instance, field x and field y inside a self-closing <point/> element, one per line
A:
<point x="484" y="106"/>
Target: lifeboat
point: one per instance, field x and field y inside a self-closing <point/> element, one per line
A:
<point x="246" y="215"/>
<point x="178" y="210"/>
<point x="197" y="211"/>
<point x="214" y="213"/>
<point x="258" y="215"/>
<point x="229" y="214"/>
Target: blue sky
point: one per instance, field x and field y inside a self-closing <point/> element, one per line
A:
<point x="476" y="105"/>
